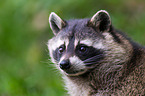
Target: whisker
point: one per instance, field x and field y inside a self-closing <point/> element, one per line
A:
<point x="90" y="63"/>
<point x="90" y="67"/>
<point x="94" y="62"/>
<point x="94" y="58"/>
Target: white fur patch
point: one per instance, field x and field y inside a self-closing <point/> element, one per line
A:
<point x="87" y="42"/>
<point x="77" y="90"/>
<point x="92" y="43"/>
<point x="98" y="45"/>
<point x="76" y="42"/>
<point x="57" y="43"/>
<point x="108" y="37"/>
<point x="76" y="62"/>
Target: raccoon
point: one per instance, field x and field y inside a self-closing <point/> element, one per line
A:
<point x="95" y="58"/>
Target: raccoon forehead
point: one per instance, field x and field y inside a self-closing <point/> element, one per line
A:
<point x="90" y="42"/>
<point x="54" y="43"/>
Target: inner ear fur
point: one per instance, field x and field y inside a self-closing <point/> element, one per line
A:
<point x="56" y="23"/>
<point x="101" y="21"/>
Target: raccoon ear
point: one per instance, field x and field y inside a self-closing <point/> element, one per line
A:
<point x="56" y="23"/>
<point x="101" y="21"/>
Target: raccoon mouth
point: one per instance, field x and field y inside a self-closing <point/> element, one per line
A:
<point x="75" y="73"/>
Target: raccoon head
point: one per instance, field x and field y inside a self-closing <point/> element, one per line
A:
<point x="81" y="45"/>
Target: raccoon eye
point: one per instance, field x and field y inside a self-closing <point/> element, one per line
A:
<point x="61" y="49"/>
<point x="82" y="49"/>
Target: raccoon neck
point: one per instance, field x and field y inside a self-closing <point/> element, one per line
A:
<point x="91" y="83"/>
<point x="78" y="85"/>
<point x="137" y="59"/>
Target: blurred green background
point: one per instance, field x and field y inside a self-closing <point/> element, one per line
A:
<point x="25" y="69"/>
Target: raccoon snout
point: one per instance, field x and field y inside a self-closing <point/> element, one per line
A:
<point x="64" y="64"/>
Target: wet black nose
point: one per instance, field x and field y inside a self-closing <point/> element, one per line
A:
<point x="65" y="64"/>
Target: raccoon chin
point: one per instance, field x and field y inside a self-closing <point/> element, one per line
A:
<point x="78" y="73"/>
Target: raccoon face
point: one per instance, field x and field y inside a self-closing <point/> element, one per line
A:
<point x="84" y="44"/>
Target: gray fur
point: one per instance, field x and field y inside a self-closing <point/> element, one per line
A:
<point x="115" y="66"/>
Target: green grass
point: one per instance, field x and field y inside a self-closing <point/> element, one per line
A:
<point x="25" y="69"/>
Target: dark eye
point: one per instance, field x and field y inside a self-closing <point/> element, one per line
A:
<point x="61" y="49"/>
<point x="83" y="49"/>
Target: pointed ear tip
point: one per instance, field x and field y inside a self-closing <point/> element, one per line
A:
<point x="51" y="14"/>
<point x="103" y="11"/>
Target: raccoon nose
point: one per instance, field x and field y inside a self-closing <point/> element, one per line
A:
<point x="65" y="64"/>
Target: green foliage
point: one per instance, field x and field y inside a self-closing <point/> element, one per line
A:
<point x="25" y="69"/>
